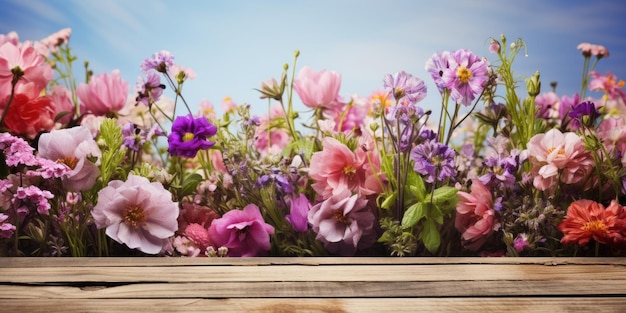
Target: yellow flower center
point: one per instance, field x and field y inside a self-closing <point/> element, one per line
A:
<point x="339" y="216"/>
<point x="559" y="153"/>
<point x="188" y="136"/>
<point x="595" y="226"/>
<point x="464" y="74"/>
<point x="134" y="216"/>
<point x="349" y="171"/>
<point x="70" y="161"/>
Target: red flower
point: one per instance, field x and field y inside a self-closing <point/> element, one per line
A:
<point x="588" y="219"/>
<point x="28" y="116"/>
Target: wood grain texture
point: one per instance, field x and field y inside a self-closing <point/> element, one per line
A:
<point x="313" y="284"/>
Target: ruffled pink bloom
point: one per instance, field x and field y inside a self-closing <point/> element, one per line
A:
<point x="243" y="232"/>
<point x="137" y="213"/>
<point x="273" y="143"/>
<point x="105" y="94"/>
<point x="28" y="116"/>
<point x="612" y="132"/>
<point x="548" y="105"/>
<point x="335" y="169"/>
<point x="11" y="37"/>
<point x="352" y="115"/>
<point x="475" y="218"/>
<point x="74" y="147"/>
<point x="589" y="49"/>
<point x="37" y="73"/>
<point x="317" y="89"/>
<point x="558" y="157"/>
<point x="343" y="222"/>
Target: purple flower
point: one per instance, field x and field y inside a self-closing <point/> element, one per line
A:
<point x="466" y="76"/>
<point x="567" y="103"/>
<point x="16" y="150"/>
<point x="160" y="61"/>
<point x="434" y="160"/>
<point x="436" y="66"/>
<point x="189" y="135"/>
<point x="583" y="113"/>
<point x="243" y="232"/>
<point x="521" y="242"/>
<point x="500" y="171"/>
<point x="299" y="207"/>
<point x="403" y="85"/>
<point x="32" y="196"/>
<point x="343" y="223"/>
<point x="151" y="90"/>
<point x="132" y="139"/>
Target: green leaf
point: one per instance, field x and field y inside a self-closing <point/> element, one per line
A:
<point x="190" y="184"/>
<point x="412" y="215"/>
<point x="390" y="201"/>
<point x="416" y="185"/>
<point x="444" y="195"/>
<point x="430" y="236"/>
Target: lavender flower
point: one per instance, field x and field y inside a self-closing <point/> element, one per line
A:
<point x="500" y="171"/>
<point x="436" y="66"/>
<point x="160" y="61"/>
<point x="585" y="113"/>
<point x="466" y="76"/>
<point x="403" y="85"/>
<point x="150" y="90"/>
<point x="434" y="160"/>
<point x="299" y="207"/>
<point x="189" y="135"/>
<point x="132" y="139"/>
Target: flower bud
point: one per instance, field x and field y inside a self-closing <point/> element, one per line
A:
<point x="533" y="85"/>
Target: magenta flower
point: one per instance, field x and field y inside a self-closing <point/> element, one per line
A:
<point x="299" y="207"/>
<point x="343" y="222"/>
<point x="74" y="147"/>
<point x="30" y="197"/>
<point x="189" y="135"/>
<point x="105" y="94"/>
<point x="466" y="76"/>
<point x="317" y="89"/>
<point x="137" y="213"/>
<point x="243" y="232"/>
<point x="6" y="229"/>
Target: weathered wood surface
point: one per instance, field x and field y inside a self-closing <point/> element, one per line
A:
<point x="312" y="284"/>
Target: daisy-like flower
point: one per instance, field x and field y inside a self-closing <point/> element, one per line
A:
<point x="403" y="85"/>
<point x="466" y="77"/>
<point x="190" y="135"/>
<point x="160" y="61"/>
<point x="137" y="213"/>
<point x="436" y="66"/>
<point x="150" y="90"/>
<point x="588" y="220"/>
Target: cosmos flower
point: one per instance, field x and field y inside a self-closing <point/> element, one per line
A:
<point x="190" y="135"/>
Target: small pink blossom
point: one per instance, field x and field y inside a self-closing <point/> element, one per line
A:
<point x="105" y="94"/>
<point x="33" y="197"/>
<point x="589" y="49"/>
<point x="299" y="207"/>
<point x="317" y="89"/>
<point x="37" y="72"/>
<point x="206" y="109"/>
<point x="11" y="38"/>
<point x="475" y="218"/>
<point x="73" y="147"/>
<point x="228" y="105"/>
<point x="335" y="168"/>
<point x="6" y="229"/>
<point x="62" y="103"/>
<point x="343" y="222"/>
<point x="243" y="232"/>
<point x="50" y="43"/>
<point x="137" y="213"/>
<point x="608" y="84"/>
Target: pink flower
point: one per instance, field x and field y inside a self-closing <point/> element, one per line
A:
<point x="612" y="132"/>
<point x="351" y="115"/>
<point x="11" y="38"/>
<point x="494" y="46"/>
<point x="50" y="43"/>
<point x="62" y="103"/>
<point x="558" y="157"/>
<point x="589" y="49"/>
<point x="588" y="220"/>
<point x="28" y="116"/>
<point x="475" y="218"/>
<point x="299" y="207"/>
<point x="137" y="213"/>
<point x="6" y="229"/>
<point x="74" y="147"/>
<point x="243" y="232"/>
<point x="37" y="73"/>
<point x="608" y="84"/>
<point x="343" y="222"/>
<point x="335" y="169"/>
<point x="206" y="109"/>
<point x="317" y="89"/>
<point x="278" y="137"/>
<point x="105" y="94"/>
<point x="228" y="105"/>
<point x="33" y="197"/>
<point x="548" y="105"/>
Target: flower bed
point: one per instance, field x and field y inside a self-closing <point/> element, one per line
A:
<point x="353" y="284"/>
<point x="496" y="170"/>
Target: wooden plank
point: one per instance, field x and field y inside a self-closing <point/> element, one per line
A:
<point x="165" y="261"/>
<point x="479" y="305"/>
<point x="314" y="289"/>
<point x="445" y="272"/>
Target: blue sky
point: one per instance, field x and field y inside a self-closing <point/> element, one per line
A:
<point x="234" y="45"/>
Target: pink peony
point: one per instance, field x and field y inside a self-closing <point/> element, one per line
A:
<point x="475" y="218"/>
<point x="105" y="94"/>
<point x="62" y="103"/>
<point x="74" y="147"/>
<point x="317" y="89"/>
<point x="344" y="223"/>
<point x="29" y="116"/>
<point x="558" y="157"/>
<point x="137" y="213"/>
<point x="243" y="232"/>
